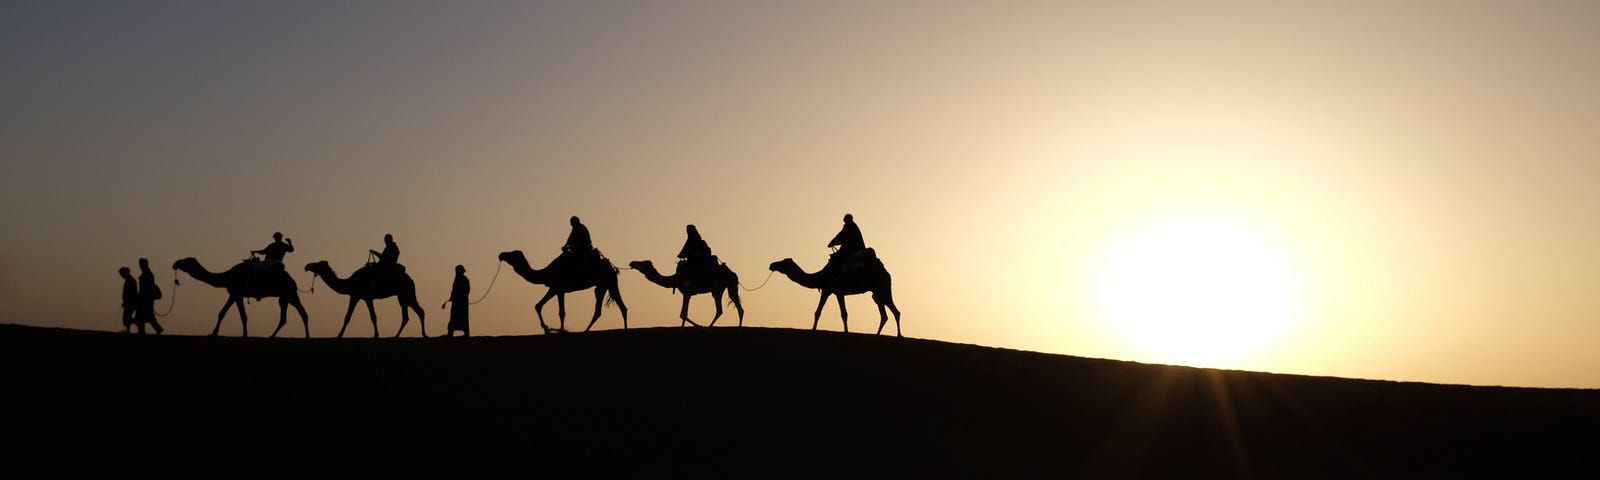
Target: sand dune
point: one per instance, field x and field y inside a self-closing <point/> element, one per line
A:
<point x="748" y="402"/>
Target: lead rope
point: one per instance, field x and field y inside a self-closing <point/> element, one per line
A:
<point x="763" y="282"/>
<point x="313" y="289"/>
<point x="498" y="266"/>
<point x="174" y="302"/>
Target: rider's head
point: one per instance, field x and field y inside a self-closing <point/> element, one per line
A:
<point x="691" y="230"/>
<point x="574" y="220"/>
<point x="849" y="219"/>
<point x="123" y="271"/>
<point x="144" y="264"/>
<point x="277" y="236"/>
<point x="460" y="269"/>
<point x="388" y="238"/>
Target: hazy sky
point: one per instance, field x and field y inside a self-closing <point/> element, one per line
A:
<point x="1425" y="171"/>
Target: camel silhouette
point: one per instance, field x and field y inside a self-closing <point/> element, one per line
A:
<point x="833" y="280"/>
<point x="249" y="280"/>
<point x="570" y="273"/>
<point x="713" y="281"/>
<point x="373" y="282"/>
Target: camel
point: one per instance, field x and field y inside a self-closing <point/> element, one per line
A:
<point x="248" y="280"/>
<point x="370" y="283"/>
<point x="871" y="277"/>
<point x="712" y="282"/>
<point x="597" y="273"/>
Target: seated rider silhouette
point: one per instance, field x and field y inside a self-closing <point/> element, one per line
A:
<point x="390" y="255"/>
<point x="852" y="250"/>
<point x="695" y="256"/>
<point x="272" y="255"/>
<point x="849" y="239"/>
<point x="578" y="244"/>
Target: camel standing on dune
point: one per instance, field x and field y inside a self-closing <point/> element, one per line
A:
<point x="250" y="280"/>
<point x="869" y="277"/>
<point x="563" y="277"/>
<point x="373" y="282"/>
<point x="713" y="281"/>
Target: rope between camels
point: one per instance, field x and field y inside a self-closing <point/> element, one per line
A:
<point x="313" y="289"/>
<point x="758" y="287"/>
<point x="497" y="267"/>
<point x="174" y="301"/>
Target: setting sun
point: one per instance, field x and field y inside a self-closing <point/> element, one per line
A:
<point x="1197" y="290"/>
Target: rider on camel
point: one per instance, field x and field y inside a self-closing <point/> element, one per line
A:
<point x="274" y="251"/>
<point x="695" y="256"/>
<point x="849" y="238"/>
<point x="391" y="253"/>
<point x="578" y="241"/>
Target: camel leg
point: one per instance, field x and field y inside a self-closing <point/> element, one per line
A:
<point x="305" y="321"/>
<point x="538" y="308"/>
<point x="374" y="314"/>
<point x="716" y="298"/>
<point x="220" y="315"/>
<point x="347" y="311"/>
<point x="599" y="297"/>
<point x="561" y="311"/>
<point x="844" y="317"/>
<point x="815" y="316"/>
<point x="422" y="318"/>
<point x="683" y="314"/>
<point x="886" y="299"/>
<point x="616" y="296"/>
<point x="884" y="319"/>
<point x="244" y="321"/>
<point x="733" y="293"/>
<point x="896" y="311"/>
<point x="405" y="317"/>
<point x="283" y="316"/>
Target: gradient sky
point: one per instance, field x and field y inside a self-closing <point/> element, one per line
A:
<point x="1430" y="168"/>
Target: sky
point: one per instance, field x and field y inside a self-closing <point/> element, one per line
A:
<point x="1389" y="190"/>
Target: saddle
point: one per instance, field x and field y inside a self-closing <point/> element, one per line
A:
<point x="383" y="272"/>
<point x="848" y="262"/>
<point x="572" y="263"/>
<point x="258" y="266"/>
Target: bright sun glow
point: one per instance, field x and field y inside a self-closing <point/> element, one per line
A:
<point x="1198" y="290"/>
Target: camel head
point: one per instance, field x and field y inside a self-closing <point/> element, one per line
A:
<point x="514" y="255"/>
<point x="319" y="268"/>
<point x="642" y="265"/>
<point x="785" y="265"/>
<point x="188" y="264"/>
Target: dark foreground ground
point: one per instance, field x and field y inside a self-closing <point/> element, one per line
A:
<point x="727" y="402"/>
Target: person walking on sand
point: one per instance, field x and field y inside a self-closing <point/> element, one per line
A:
<point x="458" y="302"/>
<point x="145" y="311"/>
<point x="130" y="298"/>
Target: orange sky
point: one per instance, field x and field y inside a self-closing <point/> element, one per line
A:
<point x="1426" y="168"/>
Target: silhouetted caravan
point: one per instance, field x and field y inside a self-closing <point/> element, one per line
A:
<point x="570" y="272"/>
<point x="250" y="279"/>
<point x="859" y="274"/>
<point x="713" y="281"/>
<point x="371" y="282"/>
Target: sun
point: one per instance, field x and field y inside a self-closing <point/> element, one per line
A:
<point x="1198" y="290"/>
